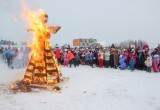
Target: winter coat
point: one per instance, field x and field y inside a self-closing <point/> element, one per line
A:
<point x="100" y="55"/>
<point x="131" y="63"/>
<point x="141" y="58"/>
<point x="65" y="58"/>
<point x="125" y="56"/>
<point x="134" y="56"/>
<point x="58" y="53"/>
<point x="77" y="57"/>
<point x="106" y="56"/>
<point x="115" y="58"/>
<point x="93" y="55"/>
<point x="83" y="56"/>
<point x="87" y="57"/>
<point x="70" y="56"/>
<point x="8" y="54"/>
<point x="111" y="60"/>
<point x="122" y="63"/>
<point x="156" y="62"/>
<point x="148" y="62"/>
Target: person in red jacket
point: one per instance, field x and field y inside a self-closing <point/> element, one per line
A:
<point x="133" y="55"/>
<point x="58" y="52"/>
<point x="70" y="58"/>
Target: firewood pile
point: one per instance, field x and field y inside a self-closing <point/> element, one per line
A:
<point x="44" y="75"/>
<point x="20" y="86"/>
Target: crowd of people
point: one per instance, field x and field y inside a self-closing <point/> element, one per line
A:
<point x="141" y="58"/>
<point x="14" y="57"/>
<point x="6" y="42"/>
<point x="119" y="58"/>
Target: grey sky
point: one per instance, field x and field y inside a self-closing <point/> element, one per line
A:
<point x="105" y="20"/>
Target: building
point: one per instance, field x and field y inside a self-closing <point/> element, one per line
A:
<point x="83" y="42"/>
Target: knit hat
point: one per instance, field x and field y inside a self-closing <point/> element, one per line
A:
<point x="145" y="46"/>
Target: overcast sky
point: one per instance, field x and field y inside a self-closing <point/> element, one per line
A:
<point x="106" y="20"/>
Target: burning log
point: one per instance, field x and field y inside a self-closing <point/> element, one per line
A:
<point x="19" y="86"/>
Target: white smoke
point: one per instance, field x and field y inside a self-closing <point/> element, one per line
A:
<point x="12" y="24"/>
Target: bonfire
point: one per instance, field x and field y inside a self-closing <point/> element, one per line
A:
<point x="43" y="70"/>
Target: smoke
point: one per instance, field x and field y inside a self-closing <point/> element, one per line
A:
<point x="8" y="76"/>
<point x="9" y="6"/>
<point x="12" y="23"/>
<point x="12" y="6"/>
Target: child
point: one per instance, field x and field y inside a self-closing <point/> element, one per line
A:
<point x="122" y="63"/>
<point x="148" y="63"/>
<point x="131" y="64"/>
<point x="156" y="62"/>
<point x="65" y="63"/>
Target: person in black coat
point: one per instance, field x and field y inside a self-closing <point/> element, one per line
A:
<point x="111" y="60"/>
<point x="141" y="59"/>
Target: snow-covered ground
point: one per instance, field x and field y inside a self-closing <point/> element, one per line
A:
<point x="88" y="89"/>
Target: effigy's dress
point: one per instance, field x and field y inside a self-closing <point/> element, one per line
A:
<point x="43" y="67"/>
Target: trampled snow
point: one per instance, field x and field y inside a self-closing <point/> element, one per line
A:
<point x="88" y="89"/>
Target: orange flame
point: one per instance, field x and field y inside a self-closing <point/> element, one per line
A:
<point x="12" y="86"/>
<point x="36" y="20"/>
<point x="41" y="32"/>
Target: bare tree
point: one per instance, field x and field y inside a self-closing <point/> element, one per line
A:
<point x="137" y="43"/>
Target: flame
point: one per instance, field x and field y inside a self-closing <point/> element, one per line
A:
<point x="36" y="21"/>
<point x="49" y="61"/>
<point x="12" y="86"/>
<point x="41" y="32"/>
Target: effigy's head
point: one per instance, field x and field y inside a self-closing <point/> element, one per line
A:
<point x="44" y="18"/>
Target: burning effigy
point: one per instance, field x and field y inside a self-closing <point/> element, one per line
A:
<point x="43" y="70"/>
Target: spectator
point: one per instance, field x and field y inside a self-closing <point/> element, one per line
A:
<point x="100" y="58"/>
<point x="93" y="58"/>
<point x="148" y="63"/>
<point x="115" y="58"/>
<point x="8" y="57"/>
<point x="76" y="59"/>
<point x="122" y="63"/>
<point x="70" y="58"/>
<point x="87" y="58"/>
<point x="65" y="60"/>
<point x="155" y="62"/>
<point x="106" y="58"/>
<point x="111" y="59"/>
<point x="58" y="54"/>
